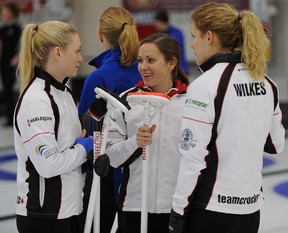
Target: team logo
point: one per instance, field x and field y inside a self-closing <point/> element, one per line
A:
<point x="186" y="139"/>
<point x="39" y="149"/>
<point x="20" y="200"/>
<point x="43" y="150"/>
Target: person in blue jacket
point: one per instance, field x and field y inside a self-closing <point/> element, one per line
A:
<point x="162" y="25"/>
<point x="117" y="71"/>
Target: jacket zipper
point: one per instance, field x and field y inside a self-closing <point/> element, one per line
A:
<point x="41" y="190"/>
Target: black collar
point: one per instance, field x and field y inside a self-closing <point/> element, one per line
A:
<point x="233" y="57"/>
<point x="39" y="73"/>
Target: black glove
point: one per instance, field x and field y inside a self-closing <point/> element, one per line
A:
<point x="98" y="109"/>
<point x="177" y="223"/>
<point x="101" y="165"/>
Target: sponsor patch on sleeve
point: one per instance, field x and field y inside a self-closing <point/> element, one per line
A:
<point x="44" y="150"/>
<point x="186" y="140"/>
<point x="39" y="118"/>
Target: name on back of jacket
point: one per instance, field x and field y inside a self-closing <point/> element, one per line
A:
<point x="249" y="89"/>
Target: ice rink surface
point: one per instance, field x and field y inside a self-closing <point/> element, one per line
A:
<point x="275" y="185"/>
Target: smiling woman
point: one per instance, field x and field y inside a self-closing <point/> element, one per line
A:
<point x="159" y="59"/>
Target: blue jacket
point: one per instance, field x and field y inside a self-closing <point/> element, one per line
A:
<point x="109" y="74"/>
<point x="115" y="77"/>
<point x="178" y="35"/>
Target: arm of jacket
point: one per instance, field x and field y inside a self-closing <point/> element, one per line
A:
<point x="196" y="131"/>
<point x="87" y="93"/>
<point x="276" y="138"/>
<point x="39" y="140"/>
<point x="120" y="149"/>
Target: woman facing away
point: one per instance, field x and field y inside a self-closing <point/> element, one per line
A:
<point x="159" y="59"/>
<point x="231" y="116"/>
<point x="48" y="139"/>
<point x="116" y="71"/>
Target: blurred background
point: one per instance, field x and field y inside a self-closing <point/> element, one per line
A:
<point x="84" y="15"/>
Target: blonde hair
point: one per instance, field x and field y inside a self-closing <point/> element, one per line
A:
<point x="36" y="43"/>
<point x="243" y="32"/>
<point x="117" y="24"/>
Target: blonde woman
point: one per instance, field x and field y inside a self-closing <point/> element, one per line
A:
<point x="231" y="116"/>
<point x="47" y="133"/>
<point x="116" y="71"/>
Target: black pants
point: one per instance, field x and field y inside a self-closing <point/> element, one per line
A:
<point x="108" y="207"/>
<point x="8" y="77"/>
<point x="130" y="222"/>
<point x="203" y="221"/>
<point x="36" y="225"/>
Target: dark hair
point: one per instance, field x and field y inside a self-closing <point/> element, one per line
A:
<point x="169" y="47"/>
<point x="13" y="8"/>
<point x="162" y="17"/>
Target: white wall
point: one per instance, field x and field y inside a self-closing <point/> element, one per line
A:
<point x="85" y="17"/>
<point x="278" y="65"/>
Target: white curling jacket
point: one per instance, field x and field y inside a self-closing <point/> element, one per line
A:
<point x="164" y="152"/>
<point x="229" y="120"/>
<point x="46" y="126"/>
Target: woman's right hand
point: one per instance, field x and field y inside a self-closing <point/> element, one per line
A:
<point x="86" y="142"/>
<point x="144" y="135"/>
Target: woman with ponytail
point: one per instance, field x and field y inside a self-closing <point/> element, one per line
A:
<point x="116" y="71"/>
<point x="48" y="138"/>
<point x="231" y="117"/>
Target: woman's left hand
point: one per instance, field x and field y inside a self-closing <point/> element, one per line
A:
<point x="144" y="135"/>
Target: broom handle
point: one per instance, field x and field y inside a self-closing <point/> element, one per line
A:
<point x="93" y="212"/>
<point x="145" y="174"/>
<point x="103" y="142"/>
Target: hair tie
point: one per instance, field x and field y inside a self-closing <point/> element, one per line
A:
<point x="123" y="26"/>
<point x="35" y="28"/>
<point x="239" y="17"/>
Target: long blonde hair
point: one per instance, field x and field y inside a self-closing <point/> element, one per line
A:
<point x="117" y="24"/>
<point x="243" y="32"/>
<point x="36" y="43"/>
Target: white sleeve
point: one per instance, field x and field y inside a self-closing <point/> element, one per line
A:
<point x="276" y="139"/>
<point x="120" y="148"/>
<point x="197" y="123"/>
<point x="40" y="144"/>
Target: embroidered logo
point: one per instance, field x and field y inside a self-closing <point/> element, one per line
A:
<point x="20" y="200"/>
<point x="186" y="139"/>
<point x="196" y="104"/>
<point x="43" y="150"/>
<point x="39" y="149"/>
